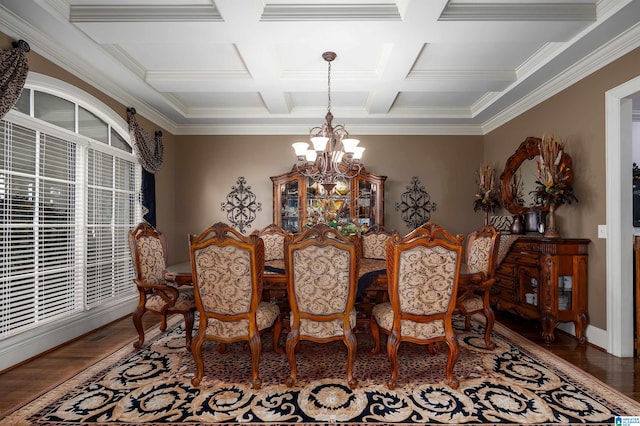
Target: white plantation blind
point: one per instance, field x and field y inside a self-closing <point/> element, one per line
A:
<point x="111" y="206"/>
<point x="66" y="204"/>
<point x="40" y="260"/>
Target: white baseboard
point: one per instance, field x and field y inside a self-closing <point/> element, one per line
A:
<point x="16" y="349"/>
<point x="595" y="336"/>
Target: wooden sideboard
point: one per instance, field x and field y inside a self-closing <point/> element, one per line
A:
<point x="545" y="279"/>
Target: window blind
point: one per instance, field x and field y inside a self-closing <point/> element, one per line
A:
<point x="66" y="209"/>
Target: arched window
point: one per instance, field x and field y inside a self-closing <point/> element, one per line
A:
<point x="69" y="192"/>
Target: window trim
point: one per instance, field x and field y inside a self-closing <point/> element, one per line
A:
<point x="22" y="346"/>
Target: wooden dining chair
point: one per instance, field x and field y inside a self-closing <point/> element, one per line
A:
<point x="423" y="269"/>
<point x="227" y="276"/>
<point x="322" y="272"/>
<point x="157" y="293"/>
<point x="481" y="256"/>
<point x="373" y="246"/>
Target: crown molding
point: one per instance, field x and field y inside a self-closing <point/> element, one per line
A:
<point x="599" y="58"/>
<point x="144" y="13"/>
<point x="330" y="12"/>
<point x="518" y="12"/>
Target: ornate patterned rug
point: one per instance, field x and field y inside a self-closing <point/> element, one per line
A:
<point x="517" y="383"/>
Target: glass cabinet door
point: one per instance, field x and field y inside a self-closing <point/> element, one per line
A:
<point x="365" y="205"/>
<point x="290" y="206"/>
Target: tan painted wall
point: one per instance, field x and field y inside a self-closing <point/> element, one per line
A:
<point x="577" y="114"/>
<point x="208" y="166"/>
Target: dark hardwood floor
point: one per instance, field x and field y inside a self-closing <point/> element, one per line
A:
<point x="21" y="384"/>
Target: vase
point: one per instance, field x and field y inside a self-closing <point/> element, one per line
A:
<point x="551" y="231"/>
<point x="486" y="218"/>
<point x="517" y="227"/>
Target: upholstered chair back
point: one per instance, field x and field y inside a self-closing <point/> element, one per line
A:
<point x="273" y="237"/>
<point x="374" y="242"/>
<point x="426" y="281"/>
<point x="481" y="251"/>
<point x="148" y="249"/>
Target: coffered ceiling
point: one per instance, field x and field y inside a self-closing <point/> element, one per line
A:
<point x="256" y="67"/>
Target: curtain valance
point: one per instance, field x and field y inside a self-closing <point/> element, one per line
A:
<point x="14" y="68"/>
<point x="148" y="151"/>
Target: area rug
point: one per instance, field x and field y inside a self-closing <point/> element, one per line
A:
<point x="517" y="383"/>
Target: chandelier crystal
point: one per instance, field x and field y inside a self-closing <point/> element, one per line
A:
<point x="334" y="157"/>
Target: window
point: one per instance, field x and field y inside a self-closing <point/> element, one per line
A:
<point x="68" y="195"/>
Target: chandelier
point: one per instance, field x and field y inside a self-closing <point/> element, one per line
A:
<point x="335" y="157"/>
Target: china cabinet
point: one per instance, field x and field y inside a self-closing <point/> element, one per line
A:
<point x="298" y="199"/>
<point x="545" y="279"/>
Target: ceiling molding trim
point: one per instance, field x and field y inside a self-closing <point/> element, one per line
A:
<point x="599" y="58"/>
<point x="361" y="131"/>
<point x="144" y="13"/>
<point x="330" y="12"/>
<point x="125" y="59"/>
<point x="490" y="75"/>
<point x="169" y="76"/>
<point x="518" y="12"/>
<point x="62" y="58"/>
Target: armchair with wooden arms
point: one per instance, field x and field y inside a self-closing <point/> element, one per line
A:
<point x="423" y="269"/>
<point x="158" y="295"/>
<point x="227" y="269"/>
<point x="322" y="274"/>
<point x="481" y="257"/>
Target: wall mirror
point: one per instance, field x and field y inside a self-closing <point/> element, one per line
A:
<point x="523" y="165"/>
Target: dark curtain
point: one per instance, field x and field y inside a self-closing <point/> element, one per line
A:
<point x="14" y="68"/>
<point x="149" y="152"/>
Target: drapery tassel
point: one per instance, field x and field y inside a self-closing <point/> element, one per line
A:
<point x="14" y="68"/>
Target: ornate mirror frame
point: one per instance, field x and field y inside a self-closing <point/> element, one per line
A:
<point x="527" y="150"/>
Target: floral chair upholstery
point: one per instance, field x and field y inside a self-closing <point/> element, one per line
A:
<point x="322" y="273"/>
<point x="423" y="270"/>
<point x="148" y="248"/>
<point x="228" y="269"/>
<point x="374" y="242"/>
<point x="273" y="237"/>
<point x="481" y="258"/>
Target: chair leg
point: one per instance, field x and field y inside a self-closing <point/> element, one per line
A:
<point x="163" y="322"/>
<point x="292" y="342"/>
<point x="491" y="319"/>
<point x="375" y="331"/>
<point x="452" y="358"/>
<point x="196" y="351"/>
<point x="137" y="322"/>
<point x="277" y="328"/>
<point x="256" y="347"/>
<point x="188" y="327"/>
<point x="352" y="344"/>
<point x="393" y="343"/>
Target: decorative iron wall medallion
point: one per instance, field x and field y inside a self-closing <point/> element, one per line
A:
<point x="416" y="205"/>
<point x="241" y="206"/>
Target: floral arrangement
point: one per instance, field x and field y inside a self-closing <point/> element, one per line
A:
<point x="487" y="198"/>
<point x="552" y="184"/>
<point x="330" y="211"/>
